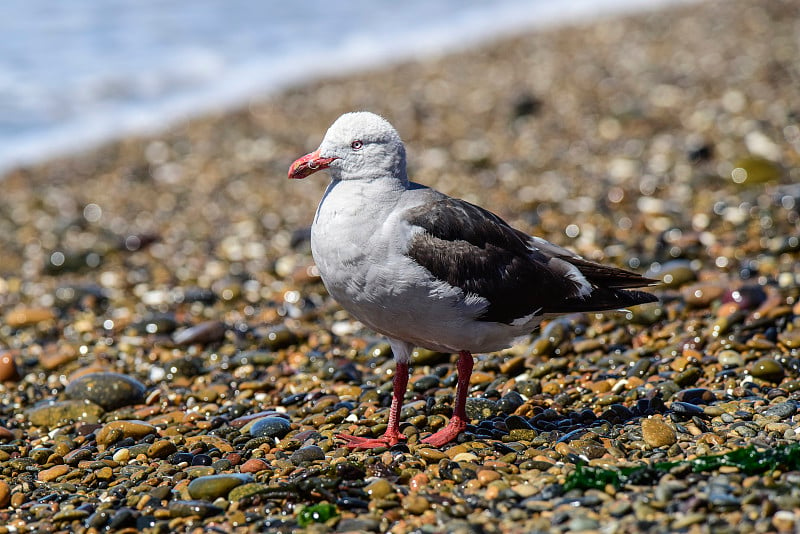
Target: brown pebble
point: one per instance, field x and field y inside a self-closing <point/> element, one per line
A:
<point x="5" y="434"/>
<point x="419" y="481"/>
<point x="415" y="503"/>
<point x="124" y="429"/>
<point x="22" y="317"/>
<point x="378" y="489"/>
<point x="431" y="455"/>
<point x="161" y="449"/>
<point x="657" y="433"/>
<point x="5" y="494"/>
<point x="18" y="499"/>
<point x="487" y="475"/>
<point x="8" y="368"/>
<point x="56" y="355"/>
<point x="53" y="473"/>
<point x="254" y="465"/>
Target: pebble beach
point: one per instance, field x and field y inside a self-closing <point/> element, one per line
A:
<point x="171" y="362"/>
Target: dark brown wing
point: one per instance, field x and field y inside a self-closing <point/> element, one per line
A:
<point x="475" y="250"/>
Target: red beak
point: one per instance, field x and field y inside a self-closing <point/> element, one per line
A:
<point x="309" y="164"/>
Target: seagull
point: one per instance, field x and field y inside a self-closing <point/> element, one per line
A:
<point x="428" y="270"/>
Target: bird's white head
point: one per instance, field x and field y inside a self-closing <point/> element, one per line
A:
<point x="358" y="146"/>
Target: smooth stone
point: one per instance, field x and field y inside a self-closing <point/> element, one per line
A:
<point x="673" y="274"/>
<point x="253" y="357"/>
<point x="270" y="427"/>
<point x="307" y="454"/>
<point x="192" y="508"/>
<point x="8" y="367"/>
<point x="116" y="430"/>
<point x="790" y="338"/>
<point x="201" y="334"/>
<point x="782" y="410"/>
<point x="510" y="402"/>
<point x="22" y="317"/>
<point x="425" y="383"/>
<point x="430" y="454"/>
<point x="109" y="390"/>
<point x="46" y="475"/>
<point x="767" y="369"/>
<point x="280" y="338"/>
<point x="253" y="465"/>
<point x="247" y="490"/>
<point x="210" y="487"/>
<point x="5" y="494"/>
<point x="70" y="515"/>
<point x="56" y="414"/>
<point x="415" y="504"/>
<point x="730" y="358"/>
<point x="378" y="489"/>
<point x="657" y="433"/>
<point x="161" y="449"/>
<point x="702" y="294"/>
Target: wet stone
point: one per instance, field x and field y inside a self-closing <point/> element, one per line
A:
<point x="161" y="449"/>
<point x="307" y="454"/>
<point x="212" y="486"/>
<point x="270" y="427"/>
<point x="108" y="390"/>
<point x="730" y="359"/>
<point x="247" y="490"/>
<point x="280" y="338"/>
<point x="783" y="410"/>
<point x="767" y="369"/>
<point x="480" y="409"/>
<point x="253" y="465"/>
<point x="657" y="433"/>
<point x="193" y="508"/>
<point x="116" y="430"/>
<point x="425" y="383"/>
<point x="201" y="334"/>
<point x="8" y="367"/>
<point x="53" y="414"/>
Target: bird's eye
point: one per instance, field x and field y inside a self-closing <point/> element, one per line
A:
<point x="356" y="145"/>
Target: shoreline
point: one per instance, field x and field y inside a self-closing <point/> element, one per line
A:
<point x="242" y="80"/>
<point x="169" y="359"/>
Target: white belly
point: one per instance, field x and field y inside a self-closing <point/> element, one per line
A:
<point x="368" y="273"/>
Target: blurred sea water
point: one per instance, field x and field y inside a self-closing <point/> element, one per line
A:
<point x="78" y="73"/>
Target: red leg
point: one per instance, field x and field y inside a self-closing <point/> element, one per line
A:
<point x="392" y="436"/>
<point x="459" y="420"/>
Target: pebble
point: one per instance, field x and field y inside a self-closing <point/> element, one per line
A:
<point x="22" y="317"/>
<point x="657" y="433"/>
<point x="307" y="454"/>
<point x="5" y="494"/>
<point x="116" y="430"/>
<point x="190" y="508"/>
<point x="54" y="414"/>
<point x="416" y="504"/>
<point x="8" y="367"/>
<point x="203" y="334"/>
<point x="767" y="369"/>
<point x="210" y="487"/>
<point x="270" y="427"/>
<point x="253" y="465"/>
<point x="108" y="390"/>
<point x="378" y="489"/>
<point x="47" y="475"/>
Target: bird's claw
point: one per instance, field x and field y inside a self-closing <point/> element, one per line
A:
<point x="447" y="434"/>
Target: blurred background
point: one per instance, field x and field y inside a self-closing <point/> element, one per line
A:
<point x="73" y="74"/>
